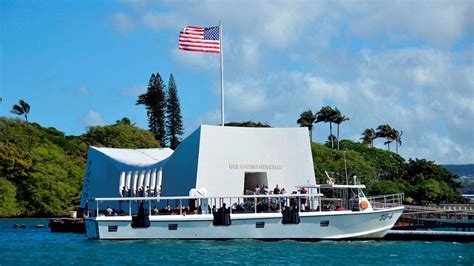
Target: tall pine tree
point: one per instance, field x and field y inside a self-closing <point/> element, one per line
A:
<point x="155" y="101"/>
<point x="174" y="123"/>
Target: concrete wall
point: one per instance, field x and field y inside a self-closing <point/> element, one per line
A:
<point x="217" y="158"/>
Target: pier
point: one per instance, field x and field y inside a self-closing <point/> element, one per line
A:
<point x="452" y="217"/>
<point x="67" y="225"/>
<point x="452" y="236"/>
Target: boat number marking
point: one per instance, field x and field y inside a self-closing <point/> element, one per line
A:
<point x="386" y="216"/>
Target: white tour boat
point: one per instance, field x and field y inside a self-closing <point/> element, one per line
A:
<point x="209" y="188"/>
<point x="268" y="217"/>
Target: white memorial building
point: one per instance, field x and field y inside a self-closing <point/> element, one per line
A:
<point x="222" y="160"/>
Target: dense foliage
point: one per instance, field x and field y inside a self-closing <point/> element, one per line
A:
<point x="120" y="135"/>
<point x="384" y="172"/>
<point x="47" y="180"/>
<point x="246" y="124"/>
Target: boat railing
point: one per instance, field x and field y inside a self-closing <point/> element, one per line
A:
<point x="386" y="201"/>
<point x="205" y="204"/>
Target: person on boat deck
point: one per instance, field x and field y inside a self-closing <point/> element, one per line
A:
<point x="283" y="199"/>
<point x="303" y="190"/>
<point x="140" y="191"/>
<point x="129" y="193"/>
<point x="355" y="202"/>
<point x="257" y="190"/>
<point x="147" y="191"/>
<point x="264" y="191"/>
<point x="110" y="211"/>
<point x="122" y="192"/>
<point x="276" y="190"/>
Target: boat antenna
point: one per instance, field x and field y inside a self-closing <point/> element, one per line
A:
<point x="345" y="166"/>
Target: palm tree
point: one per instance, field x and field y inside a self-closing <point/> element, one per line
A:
<point x="338" y="118"/>
<point x="325" y="115"/>
<point x="307" y="119"/>
<point x="397" y="136"/>
<point x="23" y="109"/>
<point x="385" y="131"/>
<point x="368" y="137"/>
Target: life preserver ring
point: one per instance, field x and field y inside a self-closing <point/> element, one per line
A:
<point x="364" y="204"/>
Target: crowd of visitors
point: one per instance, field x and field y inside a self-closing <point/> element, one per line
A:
<point x="141" y="192"/>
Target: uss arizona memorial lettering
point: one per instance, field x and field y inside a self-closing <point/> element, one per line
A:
<point x="255" y="166"/>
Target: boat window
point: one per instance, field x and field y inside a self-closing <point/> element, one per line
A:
<point x="324" y="223"/>
<point x="260" y="224"/>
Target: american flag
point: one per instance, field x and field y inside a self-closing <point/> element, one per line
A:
<point x="199" y="39"/>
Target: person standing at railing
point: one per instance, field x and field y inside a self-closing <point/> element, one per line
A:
<point x="355" y="202"/>
<point x="276" y="190"/>
<point x="283" y="199"/>
<point x="303" y="190"/>
<point x="257" y="190"/>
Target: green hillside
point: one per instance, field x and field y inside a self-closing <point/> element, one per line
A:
<point x="46" y="179"/>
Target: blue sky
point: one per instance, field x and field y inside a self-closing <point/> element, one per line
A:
<point x="406" y="63"/>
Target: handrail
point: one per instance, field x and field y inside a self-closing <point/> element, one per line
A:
<point x="386" y="196"/>
<point x="386" y="200"/>
<point x="207" y="197"/>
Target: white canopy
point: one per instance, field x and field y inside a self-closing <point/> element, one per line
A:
<point x="109" y="170"/>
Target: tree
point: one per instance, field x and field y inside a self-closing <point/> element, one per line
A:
<point x="331" y="139"/>
<point x="23" y="109"/>
<point x="385" y="131"/>
<point x="174" y="123"/>
<point x="120" y="136"/>
<point x="8" y="204"/>
<point x="155" y="101"/>
<point x="368" y="137"/>
<point x="326" y="114"/>
<point x="307" y="119"/>
<point x="397" y="136"/>
<point x="124" y="121"/>
<point x="246" y="124"/>
<point x="338" y="118"/>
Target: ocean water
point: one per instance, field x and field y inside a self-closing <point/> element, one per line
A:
<point x="40" y="247"/>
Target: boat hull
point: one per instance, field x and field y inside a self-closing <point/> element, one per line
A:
<point x="265" y="226"/>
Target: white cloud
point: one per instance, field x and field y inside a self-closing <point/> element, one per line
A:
<point x="438" y="22"/>
<point x="92" y="118"/>
<point x="247" y="97"/>
<point x="160" y="20"/>
<point x="212" y="117"/>
<point x="196" y="61"/>
<point x="133" y="91"/>
<point x="83" y="91"/>
<point x="123" y="23"/>
<point x="281" y="97"/>
<point x="136" y="4"/>
<point x="439" y="149"/>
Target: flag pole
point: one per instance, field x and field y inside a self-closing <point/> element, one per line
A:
<point x="222" y="73"/>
